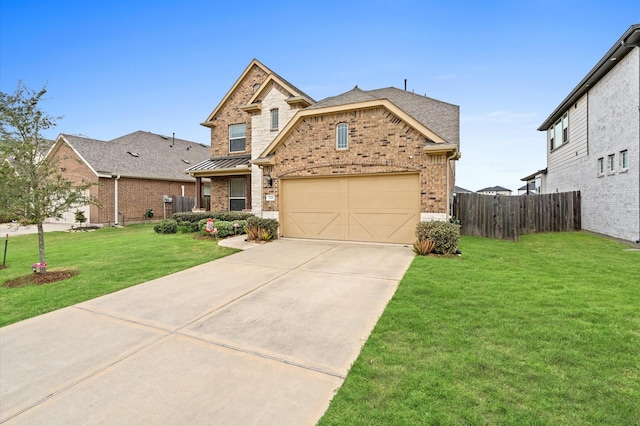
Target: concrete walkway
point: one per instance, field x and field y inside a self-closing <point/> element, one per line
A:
<point x="263" y="337"/>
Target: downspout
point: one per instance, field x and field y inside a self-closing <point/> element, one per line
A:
<point x="115" y="203"/>
<point x="449" y="200"/>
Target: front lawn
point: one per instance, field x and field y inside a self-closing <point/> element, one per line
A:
<point x="107" y="260"/>
<point x="544" y="331"/>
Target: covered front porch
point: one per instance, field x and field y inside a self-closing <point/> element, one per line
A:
<point x="230" y="183"/>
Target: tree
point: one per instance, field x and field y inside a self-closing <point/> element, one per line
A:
<point x="32" y="185"/>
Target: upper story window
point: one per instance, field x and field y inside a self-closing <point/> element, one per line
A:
<point x="237" y="137"/>
<point x="624" y="160"/>
<point x="341" y="136"/>
<point x="559" y="133"/>
<point x="274" y="119"/>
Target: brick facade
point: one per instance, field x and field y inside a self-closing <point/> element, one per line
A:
<point x="231" y="113"/>
<point x="135" y="196"/>
<point x="379" y="142"/>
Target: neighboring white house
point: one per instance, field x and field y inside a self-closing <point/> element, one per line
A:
<point x="494" y="190"/>
<point x="593" y="142"/>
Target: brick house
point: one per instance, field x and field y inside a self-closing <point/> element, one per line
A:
<point x="131" y="173"/>
<point x="361" y="166"/>
<point x="593" y="142"/>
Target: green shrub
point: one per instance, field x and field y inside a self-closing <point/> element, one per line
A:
<point x="225" y="228"/>
<point x="262" y="229"/>
<point x="166" y="226"/>
<point x="183" y="229"/>
<point x="445" y="235"/>
<point x="196" y="217"/>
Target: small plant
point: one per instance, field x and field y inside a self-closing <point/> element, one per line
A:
<point x="265" y="235"/>
<point x="166" y="226"/>
<point x="148" y="214"/>
<point x="270" y="225"/>
<point x="80" y="217"/>
<point x="423" y="247"/>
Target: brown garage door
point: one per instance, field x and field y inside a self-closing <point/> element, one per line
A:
<point x="381" y="208"/>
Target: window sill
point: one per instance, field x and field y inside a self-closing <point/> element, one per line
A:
<point x="623" y="171"/>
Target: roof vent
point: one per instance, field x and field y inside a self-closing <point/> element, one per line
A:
<point x="133" y="154"/>
<point x="185" y="161"/>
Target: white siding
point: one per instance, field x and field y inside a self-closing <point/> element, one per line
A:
<point x="577" y="146"/>
<point x="610" y="202"/>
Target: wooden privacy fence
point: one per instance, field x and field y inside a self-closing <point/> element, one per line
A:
<point x="506" y="217"/>
<point x="182" y="204"/>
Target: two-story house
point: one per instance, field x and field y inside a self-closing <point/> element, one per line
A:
<point x="494" y="190"/>
<point x="366" y="165"/>
<point x="245" y="121"/>
<point x="593" y="142"/>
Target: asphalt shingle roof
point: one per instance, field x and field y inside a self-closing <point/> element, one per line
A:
<point x="141" y="154"/>
<point x="441" y="117"/>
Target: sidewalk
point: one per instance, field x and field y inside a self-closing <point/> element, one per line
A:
<point x="12" y="229"/>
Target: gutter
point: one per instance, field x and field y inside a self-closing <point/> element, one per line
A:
<point x="620" y="49"/>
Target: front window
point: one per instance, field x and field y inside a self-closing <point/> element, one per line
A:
<point x="274" y="119"/>
<point x="237" y="137"/>
<point x="341" y="136"/>
<point x="237" y="194"/>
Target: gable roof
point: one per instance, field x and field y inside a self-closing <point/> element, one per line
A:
<point x="142" y="155"/>
<point x="460" y="190"/>
<point x="494" y="189"/>
<point x="620" y="49"/>
<point x="290" y="87"/>
<point x="423" y="111"/>
<point x="441" y="117"/>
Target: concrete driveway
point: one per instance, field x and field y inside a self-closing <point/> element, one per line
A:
<point x="265" y="336"/>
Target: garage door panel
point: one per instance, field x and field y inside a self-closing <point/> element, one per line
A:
<point x="381" y="208"/>
<point x="382" y="201"/>
<point x="388" y="226"/>
<point x="314" y="224"/>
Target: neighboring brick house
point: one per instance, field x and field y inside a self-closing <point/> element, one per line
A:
<point x="362" y="166"/>
<point x="593" y="142"/>
<point x="130" y="174"/>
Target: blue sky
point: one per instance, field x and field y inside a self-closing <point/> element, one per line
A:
<point x="115" y="67"/>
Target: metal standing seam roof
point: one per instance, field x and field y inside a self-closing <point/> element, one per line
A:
<point x="219" y="163"/>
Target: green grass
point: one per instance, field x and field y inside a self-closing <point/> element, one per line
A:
<point x="544" y="331"/>
<point x="108" y="260"/>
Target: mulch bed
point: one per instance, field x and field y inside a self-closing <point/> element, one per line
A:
<point x="39" y="279"/>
